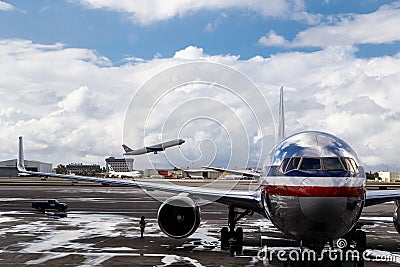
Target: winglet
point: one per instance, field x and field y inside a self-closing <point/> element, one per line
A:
<point x="20" y="161"/>
<point x="127" y="148"/>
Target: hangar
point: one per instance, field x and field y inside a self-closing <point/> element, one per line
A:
<point x="8" y="168"/>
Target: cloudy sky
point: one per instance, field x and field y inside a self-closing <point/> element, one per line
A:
<point x="69" y="70"/>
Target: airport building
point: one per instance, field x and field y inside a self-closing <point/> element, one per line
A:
<point x="8" y="168"/>
<point x="83" y="169"/>
<point x="202" y="173"/>
<point x="179" y="173"/>
<point x="120" y="164"/>
<point x="174" y="173"/>
<point x="389" y="176"/>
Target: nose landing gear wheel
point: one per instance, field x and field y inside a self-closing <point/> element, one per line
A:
<point x="236" y="244"/>
<point x="361" y="240"/>
<point x="239" y="240"/>
<point x="224" y="237"/>
<point x="239" y="235"/>
<point x="357" y="236"/>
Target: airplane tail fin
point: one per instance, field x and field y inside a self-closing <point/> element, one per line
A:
<point x="20" y="160"/>
<point x="127" y="148"/>
<point x="281" y="129"/>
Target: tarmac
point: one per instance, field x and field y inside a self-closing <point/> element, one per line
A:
<point x="101" y="228"/>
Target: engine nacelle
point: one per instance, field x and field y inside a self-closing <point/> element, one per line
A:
<point x="179" y="217"/>
<point x="396" y="216"/>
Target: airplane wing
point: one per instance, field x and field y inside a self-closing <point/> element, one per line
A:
<point x="155" y="148"/>
<point x="381" y="196"/>
<point x="247" y="174"/>
<point x="241" y="199"/>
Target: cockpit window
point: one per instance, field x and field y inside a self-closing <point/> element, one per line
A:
<point x="284" y="165"/>
<point x="293" y="164"/>
<point x="332" y="164"/>
<point x="310" y="164"/>
<point x="354" y="164"/>
<point x="314" y="163"/>
<point x="349" y="164"/>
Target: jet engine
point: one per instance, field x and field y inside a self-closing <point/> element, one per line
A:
<point x="179" y="217"/>
<point x="396" y="216"/>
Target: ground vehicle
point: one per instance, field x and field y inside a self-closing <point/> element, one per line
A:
<point x="51" y="204"/>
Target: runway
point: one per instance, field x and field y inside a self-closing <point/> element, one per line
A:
<point x="101" y="229"/>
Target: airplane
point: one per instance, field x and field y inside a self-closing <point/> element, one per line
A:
<point x="112" y="173"/>
<point x="314" y="191"/>
<point x="191" y="176"/>
<point x="154" y="148"/>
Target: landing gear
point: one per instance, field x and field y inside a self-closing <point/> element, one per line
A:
<point x="224" y="237"/>
<point x="358" y="237"/>
<point x="239" y="235"/>
<point x="230" y="233"/>
<point x="361" y="240"/>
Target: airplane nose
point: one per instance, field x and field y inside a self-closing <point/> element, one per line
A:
<point x="323" y="209"/>
<point x="328" y="217"/>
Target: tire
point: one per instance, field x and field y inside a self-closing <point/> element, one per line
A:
<point x="224" y="237"/>
<point x="239" y="235"/>
<point x="361" y="240"/>
<point x="239" y="249"/>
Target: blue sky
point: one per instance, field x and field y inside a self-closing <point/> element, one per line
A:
<point x="70" y="66"/>
<point x="115" y="35"/>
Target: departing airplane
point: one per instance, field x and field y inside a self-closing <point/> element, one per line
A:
<point x="314" y="192"/>
<point x="112" y="173"/>
<point x="153" y="148"/>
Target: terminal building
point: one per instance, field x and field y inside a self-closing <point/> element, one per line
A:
<point x="389" y="176"/>
<point x="185" y="173"/>
<point x="83" y="169"/>
<point x="8" y="168"/>
<point x="120" y="164"/>
<point x="202" y="173"/>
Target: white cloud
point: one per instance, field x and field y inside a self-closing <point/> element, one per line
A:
<point x="272" y="39"/>
<point x="363" y="105"/>
<point x="373" y="28"/>
<point x="149" y="11"/>
<point x="5" y="6"/>
<point x="211" y="26"/>
<point x="69" y="103"/>
<point x="343" y="30"/>
<point x="190" y="52"/>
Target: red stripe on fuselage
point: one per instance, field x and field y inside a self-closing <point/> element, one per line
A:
<point x="313" y="191"/>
